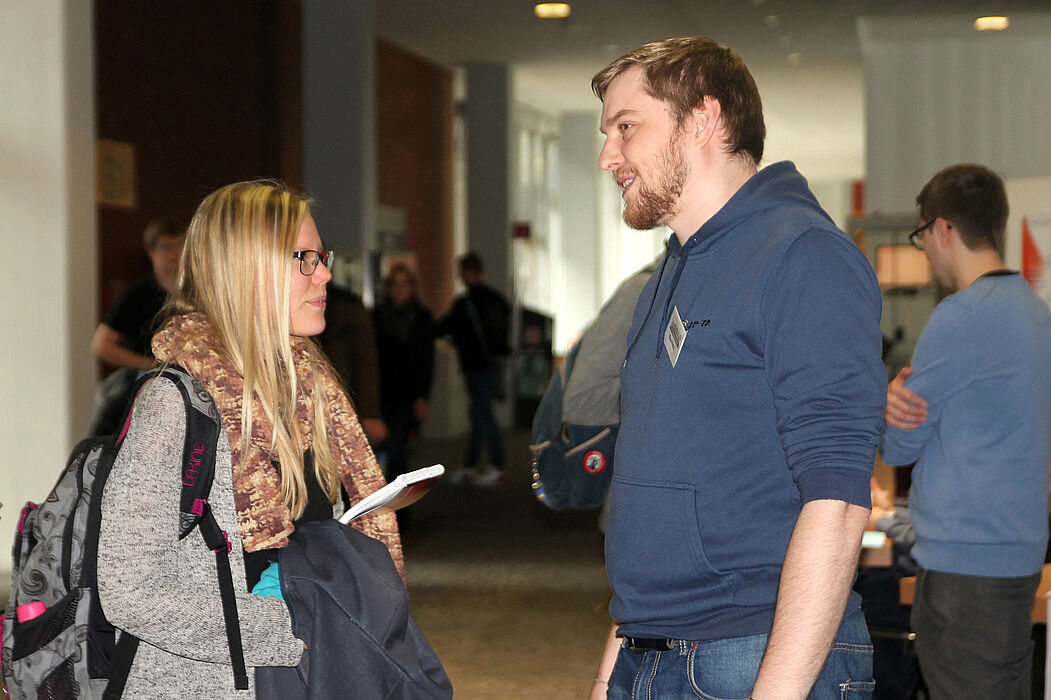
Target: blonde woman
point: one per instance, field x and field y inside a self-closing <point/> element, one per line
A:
<point x="251" y="293"/>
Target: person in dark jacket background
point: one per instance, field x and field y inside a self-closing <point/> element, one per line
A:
<point x="405" y="337"/>
<point x="349" y="340"/>
<point x="478" y="323"/>
<point x="122" y="339"/>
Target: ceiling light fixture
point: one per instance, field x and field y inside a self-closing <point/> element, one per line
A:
<point x="991" y="24"/>
<point x="552" y="10"/>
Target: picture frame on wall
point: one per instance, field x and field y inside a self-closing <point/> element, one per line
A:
<point x="115" y="184"/>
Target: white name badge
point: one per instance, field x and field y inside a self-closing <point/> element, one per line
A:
<point x="674" y="335"/>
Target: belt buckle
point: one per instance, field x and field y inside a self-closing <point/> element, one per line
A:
<point x="641" y="645"/>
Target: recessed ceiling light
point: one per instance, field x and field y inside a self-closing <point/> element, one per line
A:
<point x="991" y="24"/>
<point x="772" y="21"/>
<point x="794" y="58"/>
<point x="552" y="10"/>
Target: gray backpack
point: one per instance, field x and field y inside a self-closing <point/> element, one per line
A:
<point x="57" y="642"/>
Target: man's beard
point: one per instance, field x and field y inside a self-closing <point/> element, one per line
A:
<point x="655" y="206"/>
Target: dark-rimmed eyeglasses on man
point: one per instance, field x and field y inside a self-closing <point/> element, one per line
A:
<point x="916" y="237"/>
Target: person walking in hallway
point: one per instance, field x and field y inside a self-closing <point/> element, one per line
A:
<point x="479" y="322"/>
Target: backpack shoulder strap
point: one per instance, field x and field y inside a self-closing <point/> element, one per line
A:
<point x="568" y="362"/>
<point x="120" y="665"/>
<point x="199" y="448"/>
<point x="219" y="543"/>
<point x="202" y="436"/>
<point x="203" y="426"/>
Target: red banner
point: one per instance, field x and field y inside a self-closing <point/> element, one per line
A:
<point x="1032" y="260"/>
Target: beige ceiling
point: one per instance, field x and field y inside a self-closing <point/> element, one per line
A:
<point x="813" y="101"/>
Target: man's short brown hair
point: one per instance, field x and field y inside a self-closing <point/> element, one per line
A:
<point x="472" y="262"/>
<point x="161" y="226"/>
<point x="684" y="71"/>
<point x="973" y="199"/>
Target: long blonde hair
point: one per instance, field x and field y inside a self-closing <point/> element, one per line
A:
<point x="236" y="270"/>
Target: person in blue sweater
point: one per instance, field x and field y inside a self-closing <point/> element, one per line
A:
<point x="974" y="413"/>
<point x="752" y="401"/>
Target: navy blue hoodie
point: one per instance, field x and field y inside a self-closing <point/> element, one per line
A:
<point x="776" y="399"/>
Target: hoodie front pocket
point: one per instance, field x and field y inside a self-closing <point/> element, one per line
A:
<point x="655" y="551"/>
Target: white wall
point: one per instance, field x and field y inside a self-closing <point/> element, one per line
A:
<point x="533" y="195"/>
<point x="939" y="93"/>
<point x="835" y="197"/>
<point x="579" y="261"/>
<point x="47" y="136"/>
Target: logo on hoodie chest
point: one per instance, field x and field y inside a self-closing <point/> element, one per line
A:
<point x="687" y="324"/>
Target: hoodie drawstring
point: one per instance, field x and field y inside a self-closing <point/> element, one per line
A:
<point x="666" y="314"/>
<point x="653" y="300"/>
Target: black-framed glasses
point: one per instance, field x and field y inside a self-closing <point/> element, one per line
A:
<point x="309" y="259"/>
<point x="916" y="237"/>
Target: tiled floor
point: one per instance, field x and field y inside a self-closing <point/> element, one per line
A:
<point x="512" y="596"/>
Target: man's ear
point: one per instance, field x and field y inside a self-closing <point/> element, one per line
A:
<point x="944" y="231"/>
<point x="705" y="120"/>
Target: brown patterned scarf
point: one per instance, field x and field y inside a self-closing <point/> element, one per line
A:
<point x="262" y="516"/>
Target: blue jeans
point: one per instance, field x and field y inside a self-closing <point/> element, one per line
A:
<point x="481" y="388"/>
<point x="726" y="669"/>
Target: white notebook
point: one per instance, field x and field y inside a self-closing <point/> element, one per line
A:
<point x="405" y="489"/>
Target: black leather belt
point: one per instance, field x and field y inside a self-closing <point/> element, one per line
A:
<point x="640" y="645"/>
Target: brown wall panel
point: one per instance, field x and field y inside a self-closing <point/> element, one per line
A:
<point x="208" y="93"/>
<point x="414" y="131"/>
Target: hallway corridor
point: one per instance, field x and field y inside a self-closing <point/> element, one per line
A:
<point x="511" y="595"/>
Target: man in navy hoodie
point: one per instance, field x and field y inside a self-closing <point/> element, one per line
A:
<point x="974" y="414"/>
<point x="752" y="400"/>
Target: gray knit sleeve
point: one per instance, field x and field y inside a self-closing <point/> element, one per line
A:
<point x="164" y="590"/>
<point x="592" y="394"/>
<point x="897" y="524"/>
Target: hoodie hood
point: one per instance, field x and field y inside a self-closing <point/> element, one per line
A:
<point x="776" y="186"/>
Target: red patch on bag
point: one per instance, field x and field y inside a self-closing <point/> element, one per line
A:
<point x="594" y="462"/>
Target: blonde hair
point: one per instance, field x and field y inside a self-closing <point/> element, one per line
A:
<point x="236" y="270"/>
